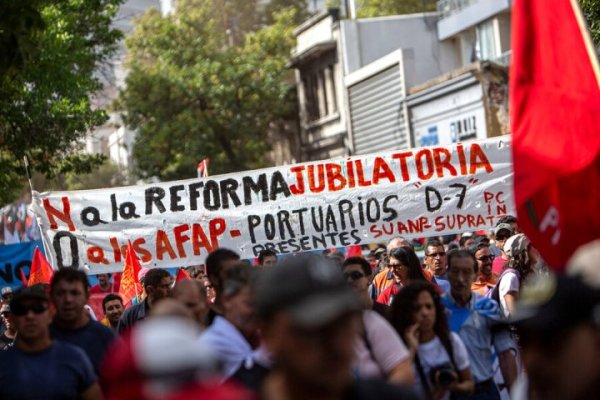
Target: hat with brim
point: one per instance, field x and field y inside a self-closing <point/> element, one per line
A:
<point x="35" y="292"/>
<point x="503" y="226"/>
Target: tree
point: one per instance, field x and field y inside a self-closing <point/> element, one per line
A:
<point x="107" y="175"/>
<point x="51" y="50"/>
<point x="380" y="8"/>
<point x="591" y="12"/>
<point x="190" y="98"/>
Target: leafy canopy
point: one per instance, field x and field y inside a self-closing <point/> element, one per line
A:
<point x="192" y="93"/>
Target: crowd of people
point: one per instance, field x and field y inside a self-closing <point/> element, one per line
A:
<point x="471" y="320"/>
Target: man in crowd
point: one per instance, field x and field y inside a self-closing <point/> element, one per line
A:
<point x="233" y="336"/>
<point x="38" y="367"/>
<point x="191" y="293"/>
<point x="476" y="319"/>
<point x="558" y="320"/>
<point x="486" y="279"/>
<point x="157" y="285"/>
<point x="8" y="336"/>
<point x="218" y="263"/>
<point x="103" y="286"/>
<point x="6" y="296"/>
<point x="385" y="278"/>
<point x="267" y="258"/>
<point x="112" y="305"/>
<point x="435" y="264"/>
<point x="69" y="291"/>
<point x="466" y="240"/>
<point x="502" y="232"/>
<point x="309" y="323"/>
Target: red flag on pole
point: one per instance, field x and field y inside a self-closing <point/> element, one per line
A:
<point x="130" y="285"/>
<point x="353" y="251"/>
<point x="182" y="274"/>
<point x="203" y="168"/>
<point x="41" y="271"/>
<point x="555" y="119"/>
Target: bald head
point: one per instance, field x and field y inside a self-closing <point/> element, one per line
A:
<point x="191" y="294"/>
<point x="397" y="242"/>
<point x="171" y="308"/>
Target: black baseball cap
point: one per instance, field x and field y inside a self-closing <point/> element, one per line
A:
<point x="35" y="292"/>
<point x="311" y="288"/>
<point x="556" y="304"/>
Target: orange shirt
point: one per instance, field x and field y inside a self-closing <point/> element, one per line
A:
<point x="382" y="281"/>
<point x="484" y="287"/>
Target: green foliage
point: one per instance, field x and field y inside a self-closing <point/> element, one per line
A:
<point x="107" y="175"/>
<point x="380" y="8"/>
<point x="50" y="51"/>
<point x="591" y="12"/>
<point x="190" y="97"/>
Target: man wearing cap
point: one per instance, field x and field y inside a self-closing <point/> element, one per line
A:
<point x="476" y="319"/>
<point x="502" y="232"/>
<point x="37" y="367"/>
<point x="157" y="285"/>
<point x="6" y="296"/>
<point x="8" y="336"/>
<point x="309" y="323"/>
<point x="69" y="291"/>
<point x="558" y="321"/>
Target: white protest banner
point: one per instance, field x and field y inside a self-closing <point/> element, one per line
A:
<point x="302" y="207"/>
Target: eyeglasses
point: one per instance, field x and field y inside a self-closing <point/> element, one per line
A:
<point x="434" y="255"/>
<point x="491" y="257"/>
<point x="395" y="266"/>
<point x="354" y="275"/>
<point x="20" y="310"/>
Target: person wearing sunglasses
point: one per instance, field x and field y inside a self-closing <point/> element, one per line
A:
<point x="406" y="268"/>
<point x="380" y="352"/>
<point x="436" y="263"/>
<point x="486" y="278"/>
<point x="37" y="367"/>
<point x="8" y="336"/>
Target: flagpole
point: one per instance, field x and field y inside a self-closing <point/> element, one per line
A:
<point x="587" y="40"/>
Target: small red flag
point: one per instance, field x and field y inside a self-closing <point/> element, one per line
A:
<point x="203" y="168"/>
<point x="41" y="271"/>
<point x="353" y="251"/>
<point x="182" y="274"/>
<point x="130" y="286"/>
<point x="555" y="119"/>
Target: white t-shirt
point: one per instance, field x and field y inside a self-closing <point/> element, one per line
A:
<point x="508" y="283"/>
<point x="433" y="354"/>
<point x="387" y="348"/>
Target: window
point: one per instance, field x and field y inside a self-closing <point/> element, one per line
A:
<point x="487" y="46"/>
<point x="319" y="93"/>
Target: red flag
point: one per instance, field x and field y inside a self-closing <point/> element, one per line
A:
<point x="555" y="119"/>
<point x="130" y="285"/>
<point x="182" y="274"/>
<point x="203" y="168"/>
<point x="353" y="251"/>
<point x="41" y="271"/>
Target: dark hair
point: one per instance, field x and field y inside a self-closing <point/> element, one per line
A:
<point x="154" y="276"/>
<point x="401" y="312"/>
<point x="70" y="275"/>
<point x="236" y="278"/>
<point x="110" y="297"/>
<point x="461" y="253"/>
<point x="408" y="257"/>
<point x="266" y="253"/>
<point x="216" y="258"/>
<point x="507" y="219"/>
<point x="452" y="246"/>
<point x="477" y="245"/>
<point x="433" y="242"/>
<point x="364" y="264"/>
<point x="463" y="239"/>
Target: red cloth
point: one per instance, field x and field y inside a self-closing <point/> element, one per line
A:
<point x="555" y="119"/>
<point x="41" y="271"/>
<point x="353" y="251"/>
<point x="181" y="275"/>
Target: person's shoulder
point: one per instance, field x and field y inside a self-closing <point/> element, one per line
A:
<point x="381" y="390"/>
<point x="100" y="329"/>
<point x="67" y="351"/>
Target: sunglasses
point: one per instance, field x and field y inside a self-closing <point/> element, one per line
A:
<point x="20" y="310"/>
<point x="434" y="255"/>
<point x="354" y="275"/>
<point x="487" y="258"/>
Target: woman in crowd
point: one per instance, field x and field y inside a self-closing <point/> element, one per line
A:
<point x="406" y="269"/>
<point x="441" y="361"/>
<point x="380" y="353"/>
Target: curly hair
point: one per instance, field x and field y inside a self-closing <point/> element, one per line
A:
<point x="402" y="311"/>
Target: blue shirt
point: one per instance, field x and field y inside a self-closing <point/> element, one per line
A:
<point x="61" y="371"/>
<point x="94" y="339"/>
<point x="473" y="324"/>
